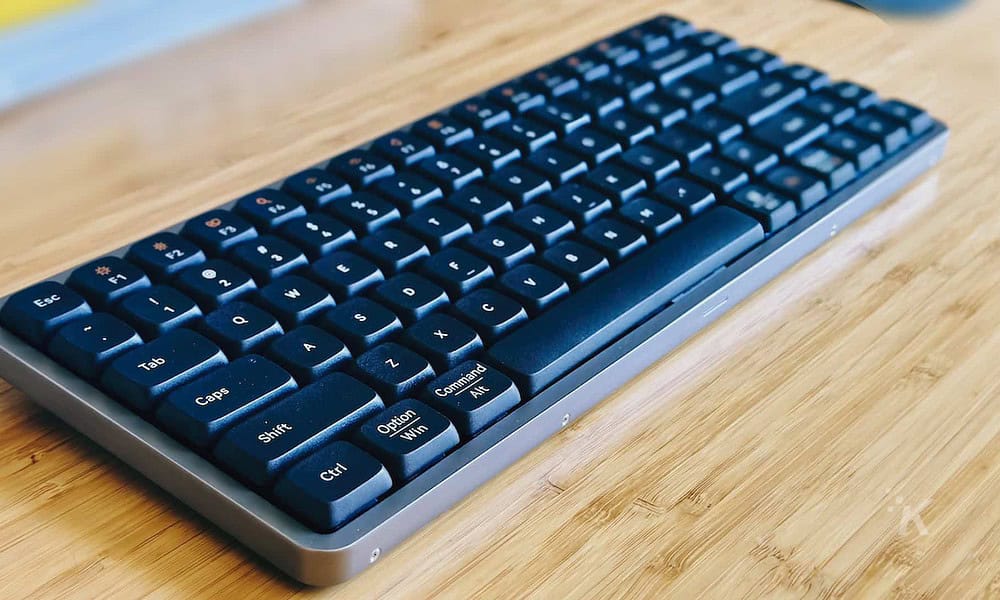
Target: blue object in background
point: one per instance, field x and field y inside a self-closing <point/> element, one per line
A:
<point x="907" y="7"/>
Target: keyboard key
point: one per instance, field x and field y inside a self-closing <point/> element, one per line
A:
<point x="268" y="257"/>
<point x="686" y="196"/>
<point x="443" y="340"/>
<point x="361" y="323"/>
<point x="856" y="95"/>
<point x="660" y="110"/>
<point x="916" y="120"/>
<point x="655" y="165"/>
<point x="592" y="318"/>
<point x="616" y="181"/>
<point x="557" y="165"/>
<point x="268" y="209"/>
<point x="887" y="132"/>
<point x="773" y="211"/>
<point x="364" y="212"/>
<point x="542" y="225"/>
<point x="526" y="134"/>
<point x="718" y="174"/>
<point x="411" y="296"/>
<point x="862" y="152"/>
<point x="616" y="51"/>
<point x="215" y="283"/>
<point x="315" y="187"/>
<point x="491" y="313"/>
<point x="294" y="300"/>
<point x="584" y="65"/>
<point x="472" y="396"/>
<point x="393" y="250"/>
<point x="490" y="153"/>
<point x="758" y="59"/>
<point x="654" y="218"/>
<point x="725" y="76"/>
<point x="408" y="191"/>
<point x="761" y="100"/>
<point x="165" y="254"/>
<point x="480" y="113"/>
<point x="143" y="375"/>
<point x="199" y="411"/>
<point x="107" y="280"/>
<point x="535" y="287"/>
<point x="614" y="238"/>
<point x="517" y="96"/>
<point x="672" y="63"/>
<point x="561" y="116"/>
<point x="553" y="82"/>
<point x="260" y="447"/>
<point x="408" y="437"/>
<point x="520" y="184"/>
<point x="394" y="371"/>
<point x="837" y="171"/>
<point x="682" y="143"/>
<point x="309" y="353"/>
<point x="332" y="485"/>
<point x="753" y="158"/>
<point x="713" y="41"/>
<point x="827" y="108"/>
<point x="789" y="132"/>
<point x="239" y="328"/>
<point x="628" y="129"/>
<point x="647" y="36"/>
<point x="219" y="230"/>
<point x="480" y="205"/>
<point x="674" y="27"/>
<point x="798" y="185"/>
<point x="442" y="131"/>
<point x="501" y="247"/>
<point x="317" y="234"/>
<point x="582" y="204"/>
<point x="458" y="271"/>
<point x="360" y="168"/>
<point x="631" y="83"/>
<point x="451" y="171"/>
<point x="805" y="76"/>
<point x="575" y="262"/>
<point x="90" y="342"/>
<point x="592" y="145"/>
<point x="690" y="95"/>
<point x="157" y="310"/>
<point x="596" y="100"/>
<point x="403" y="149"/>
<point x="714" y="126"/>
<point x="345" y="274"/>
<point x="437" y="226"/>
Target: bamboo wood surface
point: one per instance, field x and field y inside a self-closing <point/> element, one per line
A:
<point x="837" y="435"/>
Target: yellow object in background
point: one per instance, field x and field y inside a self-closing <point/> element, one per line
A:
<point x="16" y="12"/>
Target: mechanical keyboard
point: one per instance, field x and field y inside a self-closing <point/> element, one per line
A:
<point x="322" y="366"/>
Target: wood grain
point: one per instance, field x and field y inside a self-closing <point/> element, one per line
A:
<point x="777" y="454"/>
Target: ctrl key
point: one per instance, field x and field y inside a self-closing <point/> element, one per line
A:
<point x="332" y="485"/>
<point x="408" y="437"/>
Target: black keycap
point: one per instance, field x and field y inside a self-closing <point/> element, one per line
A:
<point x="671" y="64"/>
<point x="500" y="246"/>
<point x="542" y="225"/>
<point x="526" y="134"/>
<point x="889" y="133"/>
<point x="533" y="286"/>
<point x="684" y="195"/>
<point x="361" y="167"/>
<point x="804" y="75"/>
<point x="489" y="152"/>
<point x="761" y="100"/>
<point x="107" y="280"/>
<point x="773" y="211"/>
<point x="393" y="250"/>
<point x="215" y="282"/>
<point x="714" y="126"/>
<point x="596" y="100"/>
<point x="438" y="226"/>
<point x="580" y="203"/>
<point x="836" y="170"/>
<point x="458" y="271"/>
<point x="265" y="443"/>
<point x="718" y="174"/>
<point x="294" y="300"/>
<point x="472" y="396"/>
<point x="165" y="254"/>
<point x="480" y="205"/>
<point x="408" y="437"/>
<point x="561" y="116"/>
<point x="807" y="190"/>
<point x="616" y="51"/>
<point x="618" y="182"/>
<point x="411" y="296"/>
<point x="758" y="59"/>
<point x="653" y="164"/>
<point x="575" y="262"/>
<point x="268" y="209"/>
<point x="916" y="120"/>
<point x="365" y="212"/>
<point x="614" y="238"/>
<point x="199" y="411"/>
<point x="789" y="132"/>
<point x="345" y="274"/>
<point x="317" y="234"/>
<point x="403" y="149"/>
<point x="585" y="65"/>
<point x="480" y="113"/>
<point x="268" y="257"/>
<point x="309" y="353"/>
<point x="627" y="128"/>
<point x="674" y="27"/>
<point x="713" y="41"/>
<point x="592" y="145"/>
<point x="157" y="310"/>
<point x="690" y="95"/>
<point x="725" y="76"/>
<point x="408" y="191"/>
<point x="520" y="184"/>
<point x="443" y="340"/>
<point x="861" y="151"/>
<point x="552" y="81"/>
<point x="682" y="143"/>
<point x="856" y="95"/>
<point x="556" y="164"/>
<point x="653" y="218"/>
<point x="361" y="323"/>
<point x="315" y="187"/>
<point x="659" y="110"/>
<point x="827" y="108"/>
<point x="143" y="375"/>
<point x="491" y="313"/>
<point x="332" y="485"/>
<point x="516" y="96"/>
<point x="647" y="36"/>
<point x="90" y="342"/>
<point x="218" y="230"/>
<point x="451" y="171"/>
<point x="239" y="328"/>
<point x="442" y="131"/>
<point x="394" y="371"/>
<point x="631" y="83"/>
<point x="592" y="317"/>
<point x="752" y="157"/>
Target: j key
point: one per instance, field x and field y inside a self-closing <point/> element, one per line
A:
<point x="714" y="42"/>
<point x="542" y="225"/>
<point x="199" y="411"/>
<point x="309" y="353"/>
<point x="561" y="116"/>
<point x="807" y="190"/>
<point x="690" y="95"/>
<point x="408" y="438"/>
<point x="361" y="323"/>
<point x="409" y="191"/>
<point x="718" y="174"/>
<point x="580" y="203"/>
<point x="516" y="96"/>
<point x="489" y="152"/>
<point x="592" y="145"/>
<point x="890" y="134"/>
<point x="556" y="164"/>
<point x="364" y="211"/>
<point x="219" y="230"/>
<point x="861" y="151"/>
<point x="828" y="108"/>
<point x="592" y="317"/>
<point x="333" y="485"/>
<point x="294" y="300"/>
<point x="141" y="376"/>
<point x="526" y="134"/>
<point x="500" y="246"/>
<point x="394" y="371"/>
<point x="88" y="343"/>
<point x="393" y="250"/>
<point x="438" y="226"/>
<point x="587" y="66"/>
<point x="655" y="165"/>
<point x="265" y="443"/>
<point x="686" y="196"/>
<point x="647" y="37"/>
<point x="552" y="81"/>
<point x="856" y="95"/>
<point x="451" y="171"/>
<point x="915" y="119"/>
<point x="520" y="184"/>
<point x="268" y="257"/>
<point x="575" y="262"/>
<point x="345" y="274"/>
<point x="836" y="170"/>
<point x="480" y="113"/>
<point x="758" y="59"/>
<point x="714" y="126"/>
<point x="165" y="254"/>
<point x="616" y="181"/>
<point x="725" y="76"/>
<point x="157" y="310"/>
<point x="442" y="131"/>
<point x="239" y="328"/>
<point x="317" y="234"/>
<point x="673" y="63"/>
<point x="804" y="76"/>
<point x="472" y="396"/>
<point x="491" y="313"/>
<point x="616" y="239"/>
<point x="403" y="149"/>
<point x="652" y="217"/>
<point x="315" y="187"/>
<point x="773" y="211"/>
<point x="444" y="340"/>
<point x="616" y="51"/>
<point x="361" y="167"/>
<point x="682" y="143"/>
<point x="632" y="83"/>
<point x="268" y="209"/>
<point x="761" y="100"/>
<point x="106" y="280"/>
<point x="789" y="132"/>
<point x="480" y="205"/>
<point x="533" y="286"/>
<point x="215" y="282"/>
<point x="626" y="128"/>
<point x="755" y="159"/>
<point x="458" y="271"/>
<point x="659" y="109"/>
<point x="596" y="100"/>
<point x="411" y="296"/>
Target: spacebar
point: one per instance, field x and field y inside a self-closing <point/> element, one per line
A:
<point x="576" y="328"/>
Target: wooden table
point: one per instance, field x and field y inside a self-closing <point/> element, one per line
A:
<point x="837" y="435"/>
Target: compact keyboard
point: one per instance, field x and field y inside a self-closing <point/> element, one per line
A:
<point x="322" y="366"/>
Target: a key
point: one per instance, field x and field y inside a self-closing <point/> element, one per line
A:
<point x="345" y="274"/>
<point x="836" y="170"/>
<point x="761" y="100"/>
<point x="240" y="328"/>
<point x="542" y="225"/>
<point x="157" y="310"/>
<point x="596" y="100"/>
<point x="365" y="212"/>
<point x="672" y="63"/>
<point x="653" y="164"/>
<point x="890" y="134"/>
<point x="856" y="95"/>
<point x="457" y="271"/>
<point x="491" y="313"/>
<point x="489" y="152"/>
<point x="481" y="113"/>
<point x="473" y="395"/>
<point x="219" y="230"/>
<point x="164" y="254"/>
<point x="682" y="143"/>
<point x="556" y="164"/>
<point x="268" y="209"/>
<point x="805" y="189"/>
<point x="526" y="134"/>
<point x="394" y="371"/>
<point x="789" y="132"/>
<point x="533" y="286"/>
<point x="408" y="437"/>
<point x="480" y="205"/>
<point x="725" y="76"/>
<point x="618" y="182"/>
<point x="411" y="296"/>
<point x="361" y="167"/>
<point x="105" y="281"/>
<point x="443" y="340"/>
<point x="215" y="283"/>
<point x="592" y="145"/>
<point x="294" y="300"/>
<point x="752" y="157"/>
<point x="403" y="149"/>
<point x="408" y="191"/>
<point x="659" y="109"/>
<point x="315" y="187"/>
<point x="718" y="174"/>
<point x="361" y="323"/>
<point x="615" y="238"/>
<point x="915" y="119"/>
<point x="500" y="246"/>
<point x="582" y="204"/>
<point x="520" y="184"/>
<point x="627" y="128"/>
<point x="773" y="211"/>
<point x="451" y="171"/>
<point x="758" y="59"/>
<point x="684" y="195"/>
<point x="442" y="131"/>
<point x="862" y="152"/>
<point x="438" y="226"/>
<point x="268" y="257"/>
<point x="652" y="217"/>
<point x="309" y="353"/>
<point x="90" y="342"/>
<point x="826" y="107"/>
<point x="804" y="75"/>
<point x="317" y="234"/>
<point x="561" y="116"/>
<point x="575" y="262"/>
<point x="516" y="96"/>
